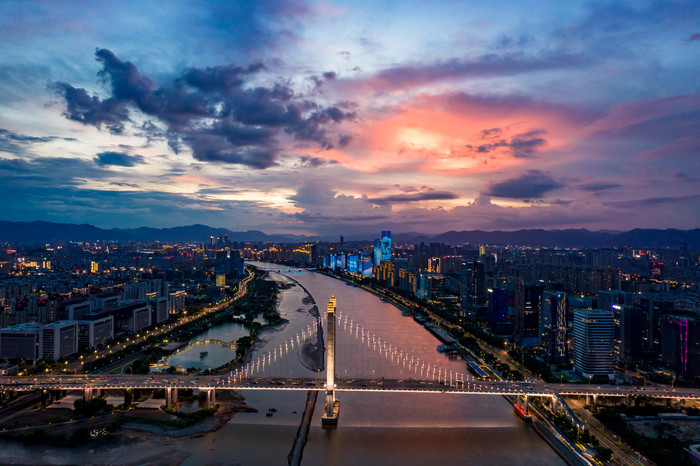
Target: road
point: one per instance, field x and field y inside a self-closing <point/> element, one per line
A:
<point x="604" y="437"/>
<point x="228" y="381"/>
<point x="141" y="337"/>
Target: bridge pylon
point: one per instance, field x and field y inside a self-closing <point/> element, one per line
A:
<point x="332" y="407"/>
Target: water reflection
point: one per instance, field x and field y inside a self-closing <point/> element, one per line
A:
<point x="216" y="354"/>
<point x="388" y="428"/>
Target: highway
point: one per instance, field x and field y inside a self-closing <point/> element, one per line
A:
<point x="227" y="382"/>
<point x="141" y="337"/>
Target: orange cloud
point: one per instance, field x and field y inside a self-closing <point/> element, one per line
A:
<point x="458" y="134"/>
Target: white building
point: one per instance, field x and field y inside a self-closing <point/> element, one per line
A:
<point x="59" y="339"/>
<point x="94" y="332"/>
<point x="594" y="339"/>
<point x="177" y="301"/>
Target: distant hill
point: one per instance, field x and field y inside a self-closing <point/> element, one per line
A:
<point x="637" y="238"/>
<point x="43" y="232"/>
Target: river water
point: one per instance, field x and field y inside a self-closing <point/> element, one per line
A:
<point x="374" y="428"/>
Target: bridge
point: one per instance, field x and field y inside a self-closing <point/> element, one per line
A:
<point x="282" y="268"/>
<point x="416" y="375"/>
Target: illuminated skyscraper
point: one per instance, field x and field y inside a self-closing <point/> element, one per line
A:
<point x="594" y="331"/>
<point x="377" y="252"/>
<point x="553" y="326"/>
<point x="386" y="245"/>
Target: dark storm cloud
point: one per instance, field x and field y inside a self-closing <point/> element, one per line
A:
<point x="15" y="165"/>
<point x="532" y="184"/>
<point x="521" y="145"/>
<point x="600" y="186"/>
<point x="423" y="196"/>
<point x="118" y="158"/>
<point x="212" y="110"/>
<point x="653" y="201"/>
<point x="15" y="143"/>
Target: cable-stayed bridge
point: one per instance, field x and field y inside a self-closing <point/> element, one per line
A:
<point x="370" y="363"/>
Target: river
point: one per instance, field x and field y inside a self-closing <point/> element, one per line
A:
<point x="374" y="428"/>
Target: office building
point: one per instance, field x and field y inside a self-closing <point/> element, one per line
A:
<point x="386" y="245"/>
<point x="472" y="287"/>
<point x="552" y="331"/>
<point x="59" y="339"/>
<point x="681" y="345"/>
<point x="527" y="313"/>
<point x="594" y="342"/>
<point x="21" y="342"/>
<point x="94" y="332"/>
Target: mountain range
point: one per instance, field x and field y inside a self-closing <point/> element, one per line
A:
<point x="43" y="232"/>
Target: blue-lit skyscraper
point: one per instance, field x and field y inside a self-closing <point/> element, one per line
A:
<point x="386" y="245"/>
<point x="377" y="252"/>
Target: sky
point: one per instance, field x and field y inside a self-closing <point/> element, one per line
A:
<point x="328" y="118"/>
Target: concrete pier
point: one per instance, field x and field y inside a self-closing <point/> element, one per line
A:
<point x="170" y="396"/>
<point x="332" y="408"/>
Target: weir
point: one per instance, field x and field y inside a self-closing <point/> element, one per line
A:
<point x="332" y="408"/>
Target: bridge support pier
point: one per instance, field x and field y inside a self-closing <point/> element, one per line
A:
<point x="679" y="404"/>
<point x="595" y="401"/>
<point x="170" y="396"/>
<point x="628" y="401"/>
<point x="211" y="397"/>
<point x="522" y="402"/>
<point x="555" y="404"/>
<point x="88" y="394"/>
<point x="332" y="408"/>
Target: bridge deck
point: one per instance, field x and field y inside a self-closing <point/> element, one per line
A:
<point x="81" y="382"/>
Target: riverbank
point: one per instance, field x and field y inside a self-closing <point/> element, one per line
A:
<point x="137" y="443"/>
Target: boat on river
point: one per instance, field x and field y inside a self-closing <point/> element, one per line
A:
<point x="203" y="354"/>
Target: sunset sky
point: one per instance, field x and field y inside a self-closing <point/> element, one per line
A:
<point x="351" y="117"/>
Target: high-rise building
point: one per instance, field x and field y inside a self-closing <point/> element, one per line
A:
<point x="386" y="245"/>
<point x="527" y="313"/>
<point x="553" y="326"/>
<point x="594" y="342"/>
<point x="59" y="339"/>
<point x="681" y="345"/>
<point x="498" y="307"/>
<point x="634" y="334"/>
<point x="472" y="286"/>
<point x="377" y="252"/>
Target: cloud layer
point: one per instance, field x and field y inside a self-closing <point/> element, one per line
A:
<point x="212" y="110"/>
<point x="339" y="117"/>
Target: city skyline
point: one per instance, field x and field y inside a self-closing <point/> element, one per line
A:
<point x="314" y="118"/>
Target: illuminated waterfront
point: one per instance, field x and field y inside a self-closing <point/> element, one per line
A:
<point x="378" y="427"/>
